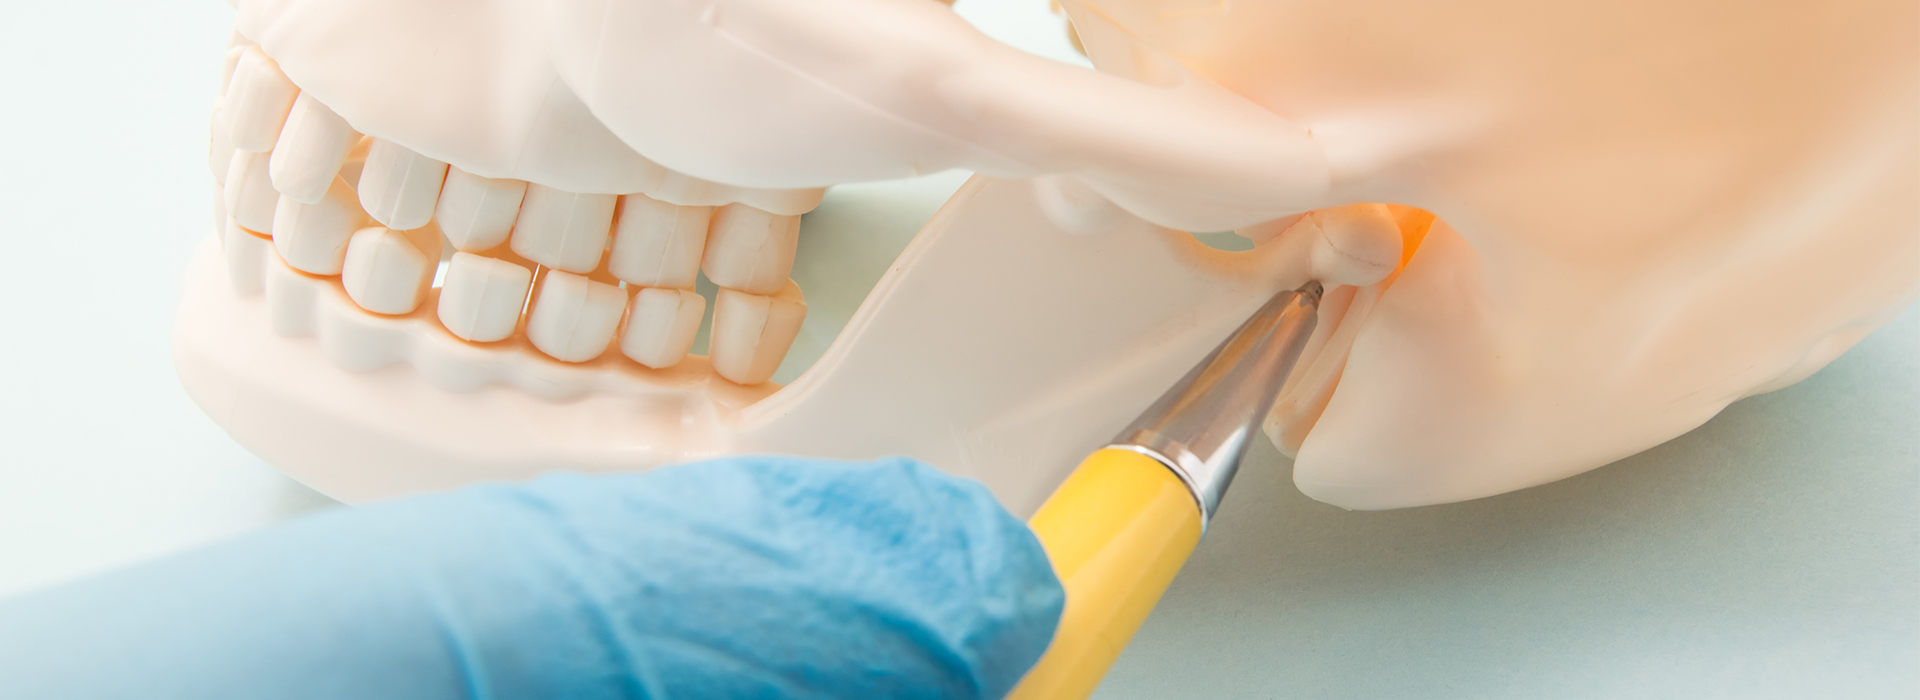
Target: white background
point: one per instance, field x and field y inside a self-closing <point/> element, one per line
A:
<point x="1774" y="553"/>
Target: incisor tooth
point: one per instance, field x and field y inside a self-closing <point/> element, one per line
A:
<point x="388" y="271"/>
<point x="752" y="332"/>
<point x="398" y="187"/>
<point x="249" y="191"/>
<point x="246" y="259"/>
<point x="311" y="148"/>
<point x="312" y="238"/>
<point x="574" y="318"/>
<point x="563" y="230"/>
<point x="475" y="212"/>
<point x="656" y="244"/>
<point x="219" y="150"/>
<point x="481" y="297"/>
<point x="661" y="326"/>
<point x="750" y="250"/>
<point x="256" y="102"/>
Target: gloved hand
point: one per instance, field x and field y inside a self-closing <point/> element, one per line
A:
<point x="751" y="577"/>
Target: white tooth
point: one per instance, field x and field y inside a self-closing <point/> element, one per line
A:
<point x="219" y="150"/>
<point x="661" y="326"/>
<point x="475" y="212"/>
<point x="752" y="332"/>
<point x="751" y="250"/>
<point x="249" y="192"/>
<point x="246" y="260"/>
<point x="563" y="230"/>
<point x="219" y="210"/>
<point x="312" y="238"/>
<point x="256" y="102"/>
<point x="356" y="161"/>
<point x="234" y="51"/>
<point x="311" y="148"/>
<point x="398" y="187"/>
<point x="481" y="297"/>
<point x="388" y="271"/>
<point x="573" y="318"/>
<point x="657" y="244"/>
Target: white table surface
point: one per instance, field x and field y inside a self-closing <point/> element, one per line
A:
<point x="1773" y="553"/>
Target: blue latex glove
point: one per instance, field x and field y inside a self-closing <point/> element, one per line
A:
<point x="758" y="577"/>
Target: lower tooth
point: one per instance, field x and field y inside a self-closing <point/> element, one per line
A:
<point x="661" y="326"/>
<point x="657" y="244"/>
<point x="750" y="250"/>
<point x="313" y="238"/>
<point x="246" y="259"/>
<point x="476" y="213"/>
<point x="574" y="318"/>
<point x="388" y="271"/>
<point x="563" y="230"/>
<point x="249" y="191"/>
<point x="481" y="297"/>
<point x="752" y="332"/>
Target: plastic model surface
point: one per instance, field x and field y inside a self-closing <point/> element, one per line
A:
<point x="1645" y="211"/>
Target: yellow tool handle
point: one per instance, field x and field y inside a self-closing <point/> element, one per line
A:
<point x="1117" y="531"/>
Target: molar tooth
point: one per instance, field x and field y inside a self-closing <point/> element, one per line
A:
<point x="246" y="259"/>
<point x="311" y="148"/>
<point x="312" y="238"/>
<point x="475" y="212"/>
<point x="657" y="244"/>
<point x="752" y="332"/>
<point x="388" y="271"/>
<point x="574" y="318"/>
<point x="249" y="192"/>
<point x="563" y="230"/>
<point x="481" y="297"/>
<point x="398" y="187"/>
<point x="661" y="326"/>
<point x="256" y="101"/>
<point x="750" y="250"/>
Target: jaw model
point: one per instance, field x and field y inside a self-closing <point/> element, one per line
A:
<point x="1644" y="213"/>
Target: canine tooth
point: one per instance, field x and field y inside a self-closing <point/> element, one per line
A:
<point x="750" y="250"/>
<point x="398" y="187"/>
<point x="312" y="238"/>
<point x="475" y="212"/>
<point x="219" y="150"/>
<point x="246" y="259"/>
<point x="657" y="244"/>
<point x="249" y="192"/>
<point x="388" y="271"/>
<point x="481" y="297"/>
<point x="752" y="332"/>
<point x="256" y="102"/>
<point x="311" y="148"/>
<point x="661" y="326"/>
<point x="563" y="230"/>
<point x="574" y="318"/>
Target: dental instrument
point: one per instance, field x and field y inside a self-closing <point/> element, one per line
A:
<point x="1124" y="522"/>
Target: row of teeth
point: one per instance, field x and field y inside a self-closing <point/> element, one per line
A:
<point x="578" y="275"/>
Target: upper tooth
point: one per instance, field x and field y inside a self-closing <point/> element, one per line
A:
<point x="657" y="244"/>
<point x="388" y="271"/>
<point x="311" y="148"/>
<point x="751" y="250"/>
<point x="574" y="318"/>
<point x="256" y="102"/>
<point x="475" y="212"/>
<point x="481" y="297"/>
<point x="752" y="332"/>
<point x="219" y="150"/>
<point x="312" y="238"/>
<point x="398" y="187"/>
<point x="661" y="326"/>
<point x="563" y="230"/>
<point x="249" y="191"/>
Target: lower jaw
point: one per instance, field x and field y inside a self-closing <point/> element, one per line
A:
<point x="1006" y="377"/>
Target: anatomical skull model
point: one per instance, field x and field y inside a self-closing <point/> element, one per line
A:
<point x="459" y="240"/>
